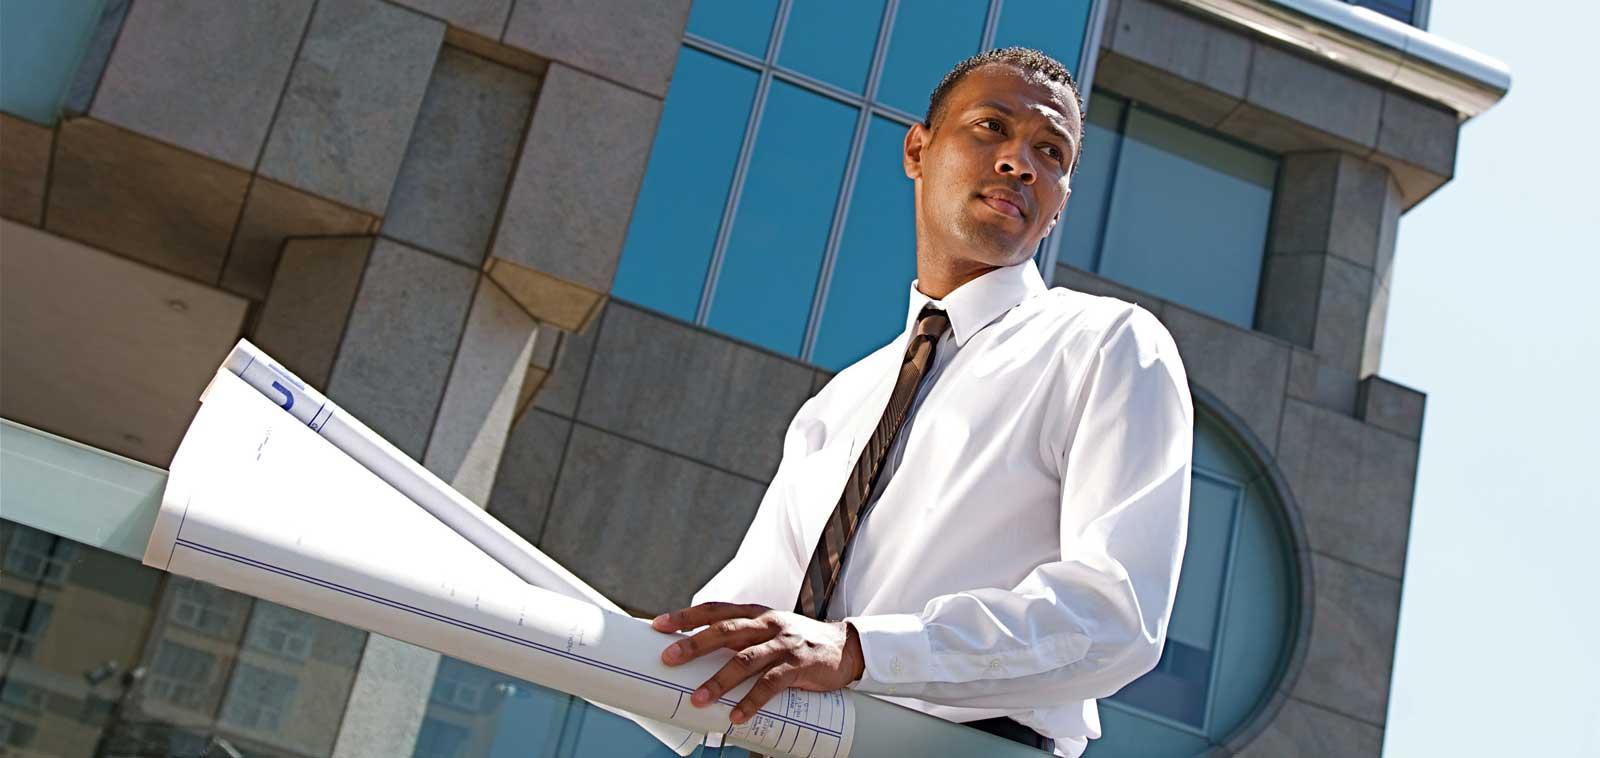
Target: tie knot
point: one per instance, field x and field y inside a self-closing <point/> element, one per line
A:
<point x="932" y="322"/>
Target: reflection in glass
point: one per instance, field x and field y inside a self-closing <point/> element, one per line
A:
<point x="1084" y="219"/>
<point x="927" y="40"/>
<point x="832" y="40"/>
<point x="1188" y="218"/>
<point x="674" y="227"/>
<point x="1231" y="623"/>
<point x="769" y="271"/>
<point x="1178" y="685"/>
<point x="877" y="259"/>
<point x="744" y="25"/>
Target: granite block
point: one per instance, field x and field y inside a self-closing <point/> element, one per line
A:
<point x="1351" y="654"/>
<point x="480" y="397"/>
<point x="403" y="332"/>
<point x="1353" y="482"/>
<point x="575" y="183"/>
<point x="1245" y="370"/>
<point x="623" y="513"/>
<point x="453" y="178"/>
<point x="24" y="168"/>
<point x="304" y="318"/>
<point x="707" y="397"/>
<point x="483" y="17"/>
<point x="273" y="214"/>
<point x="143" y="199"/>
<point x="632" y="43"/>
<point x="527" y="476"/>
<point x="184" y="73"/>
<point x="352" y="99"/>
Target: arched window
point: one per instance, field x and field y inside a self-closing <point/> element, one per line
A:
<point x="1231" y="629"/>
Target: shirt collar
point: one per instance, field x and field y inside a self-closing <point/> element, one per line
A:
<point x="975" y="304"/>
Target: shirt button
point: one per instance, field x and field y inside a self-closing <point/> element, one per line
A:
<point x="894" y="665"/>
<point x="994" y="664"/>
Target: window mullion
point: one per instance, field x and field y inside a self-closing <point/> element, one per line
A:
<point x="752" y="127"/>
<point x="841" y="210"/>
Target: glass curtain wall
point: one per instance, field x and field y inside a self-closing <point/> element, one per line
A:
<point x="775" y="208"/>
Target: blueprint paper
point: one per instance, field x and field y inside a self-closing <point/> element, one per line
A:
<point x="427" y="491"/>
<point x="259" y="502"/>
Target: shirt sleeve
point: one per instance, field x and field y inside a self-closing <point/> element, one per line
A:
<point x="751" y="576"/>
<point x="1086" y="625"/>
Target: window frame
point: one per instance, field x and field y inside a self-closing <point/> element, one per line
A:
<point x="866" y="106"/>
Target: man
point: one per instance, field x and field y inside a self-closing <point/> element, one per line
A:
<point x="1013" y="554"/>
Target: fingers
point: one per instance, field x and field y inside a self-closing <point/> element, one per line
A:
<point x="704" y="613"/>
<point x="734" y="634"/>
<point x="743" y="665"/>
<point x="775" y="680"/>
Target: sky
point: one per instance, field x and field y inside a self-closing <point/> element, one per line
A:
<point x="1494" y="313"/>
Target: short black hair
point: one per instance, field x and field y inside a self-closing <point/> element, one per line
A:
<point x="1025" y="58"/>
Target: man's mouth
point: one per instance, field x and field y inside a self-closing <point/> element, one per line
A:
<point x="1004" y="206"/>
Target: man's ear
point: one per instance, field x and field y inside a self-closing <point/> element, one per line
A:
<point x="916" y="139"/>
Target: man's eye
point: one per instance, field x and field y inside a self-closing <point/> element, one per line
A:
<point x="991" y="121"/>
<point x="1055" y="152"/>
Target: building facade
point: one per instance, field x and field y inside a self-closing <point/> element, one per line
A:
<point x="585" y="260"/>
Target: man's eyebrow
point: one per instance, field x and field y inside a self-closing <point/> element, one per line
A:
<point x="1056" y="130"/>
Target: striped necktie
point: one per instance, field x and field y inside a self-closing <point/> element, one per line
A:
<point x="822" y="575"/>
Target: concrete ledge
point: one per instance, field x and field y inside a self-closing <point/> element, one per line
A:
<point x="1268" y="92"/>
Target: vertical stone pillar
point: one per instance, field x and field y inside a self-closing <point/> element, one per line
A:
<point x="1325" y="285"/>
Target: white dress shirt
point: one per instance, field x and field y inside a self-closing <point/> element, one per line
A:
<point x="1019" y="555"/>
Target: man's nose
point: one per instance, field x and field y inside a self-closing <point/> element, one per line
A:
<point x="1012" y="162"/>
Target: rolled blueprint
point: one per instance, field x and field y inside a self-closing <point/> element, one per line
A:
<point x="427" y="491"/>
<point x="401" y="472"/>
<point x="262" y="502"/>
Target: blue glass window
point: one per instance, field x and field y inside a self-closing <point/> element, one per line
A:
<point x="1187" y="214"/>
<point x="1084" y="218"/>
<point x="833" y="40"/>
<point x="744" y="25"/>
<point x="1053" y="26"/>
<point x="778" y="183"/>
<point x="769" y="274"/>
<point x="878" y="250"/>
<point x="40" y="46"/>
<point x="674" y="228"/>
<point x="927" y="40"/>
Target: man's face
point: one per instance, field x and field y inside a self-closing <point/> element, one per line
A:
<point x="1005" y="135"/>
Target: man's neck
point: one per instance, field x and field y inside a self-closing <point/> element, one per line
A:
<point x="938" y="278"/>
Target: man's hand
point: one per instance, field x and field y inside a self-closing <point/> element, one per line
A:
<point x="784" y="649"/>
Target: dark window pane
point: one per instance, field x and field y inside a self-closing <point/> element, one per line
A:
<point x="1188" y="217"/>
<point x="769" y="272"/>
<point x="927" y="41"/>
<point x="1091" y="186"/>
<point x="745" y="25"/>
<point x="832" y="40"/>
<point x="1056" y="27"/>
<point x="877" y="258"/>
<point x="674" y="226"/>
